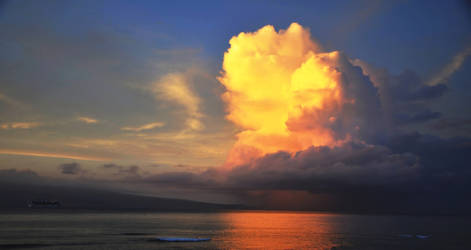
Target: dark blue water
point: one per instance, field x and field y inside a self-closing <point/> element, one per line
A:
<point x="234" y="230"/>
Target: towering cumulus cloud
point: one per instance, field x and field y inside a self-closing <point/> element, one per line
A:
<point x="320" y="127"/>
<point x="288" y="95"/>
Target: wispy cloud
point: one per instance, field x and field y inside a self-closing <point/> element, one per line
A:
<point x="144" y="127"/>
<point x="199" y="149"/>
<point x="174" y="87"/>
<point x="87" y="120"/>
<point x="454" y="65"/>
<point x="19" y="125"/>
<point x="51" y="155"/>
<point x="10" y="101"/>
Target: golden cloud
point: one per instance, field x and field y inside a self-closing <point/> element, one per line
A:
<point x="282" y="91"/>
<point x="19" y="125"/>
<point x="87" y="120"/>
<point x="174" y="87"/>
<point x="144" y="127"/>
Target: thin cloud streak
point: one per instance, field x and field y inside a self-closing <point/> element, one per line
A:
<point x="10" y="101"/>
<point x="451" y="67"/>
<point x="87" y="120"/>
<point x="19" y="125"/>
<point x="52" y="155"/>
<point x="148" y="126"/>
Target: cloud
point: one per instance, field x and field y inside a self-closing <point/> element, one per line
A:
<point x="87" y="120"/>
<point x="19" y="125"/>
<point x="317" y="169"/>
<point x="449" y="69"/>
<point x="148" y="126"/>
<point x="406" y="161"/>
<point x="405" y="97"/>
<point x="409" y="173"/>
<point x="420" y="117"/>
<point x="123" y="171"/>
<point x="52" y="155"/>
<point x="327" y="169"/>
<point x="18" y="176"/>
<point x="445" y="161"/>
<point x="10" y="101"/>
<point x="285" y="94"/>
<point x="405" y="87"/>
<point x="108" y="68"/>
<point x="321" y="123"/>
<point x="175" y="88"/>
<point x="453" y="126"/>
<point x="165" y="147"/>
<point x="71" y="168"/>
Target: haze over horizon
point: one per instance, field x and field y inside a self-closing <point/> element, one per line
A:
<point x="359" y="106"/>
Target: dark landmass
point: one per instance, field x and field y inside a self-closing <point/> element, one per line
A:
<point x="15" y="197"/>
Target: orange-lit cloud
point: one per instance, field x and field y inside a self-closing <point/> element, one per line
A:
<point x="87" y="120"/>
<point x="144" y="127"/>
<point x="19" y="125"/>
<point x="282" y="91"/>
<point x="174" y="87"/>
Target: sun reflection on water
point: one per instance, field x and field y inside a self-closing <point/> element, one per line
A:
<point x="273" y="230"/>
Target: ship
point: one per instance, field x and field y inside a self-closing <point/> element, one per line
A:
<point x="44" y="204"/>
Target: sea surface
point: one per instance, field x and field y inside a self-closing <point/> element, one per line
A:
<point x="231" y="230"/>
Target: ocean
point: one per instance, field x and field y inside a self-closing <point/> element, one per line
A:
<point x="231" y="230"/>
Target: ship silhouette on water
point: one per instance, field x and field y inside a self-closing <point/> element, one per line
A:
<point x="44" y="204"/>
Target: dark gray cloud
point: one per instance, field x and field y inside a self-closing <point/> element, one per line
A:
<point x="453" y="126"/>
<point x="408" y="87"/>
<point x="427" y="92"/>
<point x="420" y="117"/>
<point x="20" y="176"/>
<point x="122" y="170"/>
<point x="186" y="178"/>
<point x="404" y="159"/>
<point x="408" y="173"/>
<point x="443" y="159"/>
<point x="405" y="98"/>
<point x="324" y="169"/>
<point x="71" y="168"/>
<point x="363" y="118"/>
<point x="317" y="169"/>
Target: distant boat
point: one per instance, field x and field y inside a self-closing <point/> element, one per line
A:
<point x="44" y="204"/>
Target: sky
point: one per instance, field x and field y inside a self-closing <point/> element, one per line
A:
<point x="253" y="102"/>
